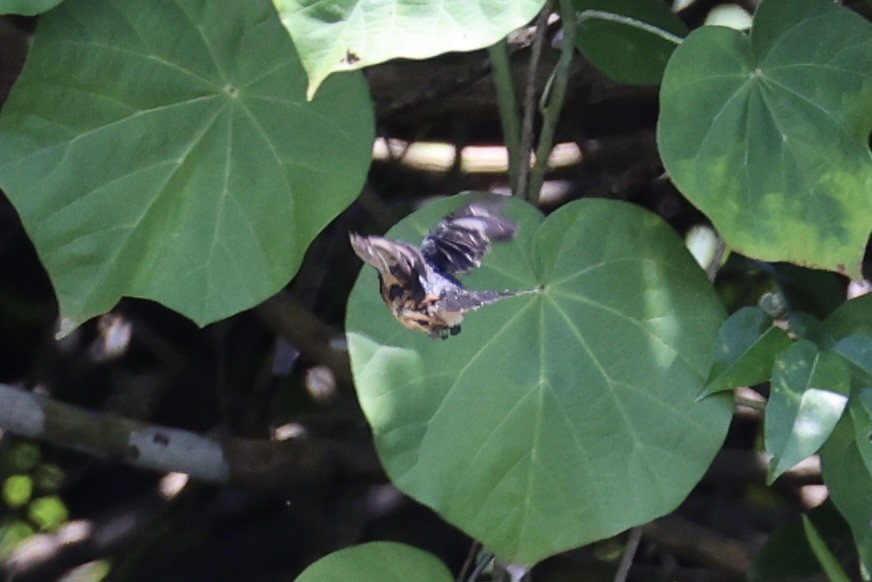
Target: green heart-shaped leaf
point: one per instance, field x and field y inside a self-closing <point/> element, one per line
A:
<point x="768" y="135"/>
<point x="27" y="7"/>
<point x="344" y="35"/>
<point x="167" y="151"/>
<point x="377" y="562"/>
<point x="559" y="417"/>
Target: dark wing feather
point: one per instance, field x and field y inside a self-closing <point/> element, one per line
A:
<point x="399" y="264"/>
<point x="461" y="240"/>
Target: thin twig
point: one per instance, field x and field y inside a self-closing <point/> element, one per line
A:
<point x="523" y="170"/>
<point x="483" y="560"/>
<point x="553" y="99"/>
<point x="474" y="548"/>
<point x="508" y="108"/>
<point x="629" y="553"/>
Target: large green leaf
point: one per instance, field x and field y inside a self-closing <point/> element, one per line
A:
<point x="166" y="150"/>
<point x="377" y="562"/>
<point x="849" y="481"/>
<point x="747" y="345"/>
<point x="556" y="418"/>
<point x="768" y="135"/>
<point x="342" y="35"/>
<point x="809" y="394"/>
<point x="628" y="40"/>
<point x="27" y="7"/>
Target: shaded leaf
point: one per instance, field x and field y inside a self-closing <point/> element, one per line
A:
<point x="377" y="562"/>
<point x="857" y="349"/>
<point x="555" y="418"/>
<point x="768" y="135"/>
<point x="853" y="317"/>
<point x="620" y="37"/>
<point x="849" y="481"/>
<point x="827" y="560"/>
<point x="809" y="393"/>
<point x="786" y="555"/>
<point x="746" y="347"/>
<point x="861" y="413"/>
<point x="167" y="151"/>
<point x="344" y="35"/>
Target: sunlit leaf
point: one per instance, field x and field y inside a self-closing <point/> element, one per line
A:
<point x="48" y="512"/>
<point x="167" y="151"/>
<point x="559" y="417"/>
<point x="343" y="35"/>
<point x="768" y="134"/>
<point x="377" y="562"/>
<point x="809" y="394"/>
<point x="17" y="490"/>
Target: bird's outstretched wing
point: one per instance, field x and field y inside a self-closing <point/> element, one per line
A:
<point x="400" y="264"/>
<point x="461" y="240"/>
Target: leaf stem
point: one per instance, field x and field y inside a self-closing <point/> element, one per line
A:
<point x="530" y="100"/>
<point x="508" y="107"/>
<point x="484" y="559"/>
<point x="551" y="102"/>
<point x="628" y="21"/>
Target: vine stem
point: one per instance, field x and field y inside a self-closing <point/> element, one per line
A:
<point x="507" y="104"/>
<point x="628" y="21"/>
<point x="551" y="102"/>
<point x="530" y="101"/>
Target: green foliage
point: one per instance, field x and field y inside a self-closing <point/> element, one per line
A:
<point x="628" y="40"/>
<point x="48" y="512"/>
<point x="828" y="561"/>
<point x="809" y="392"/>
<point x="813" y="382"/>
<point x="343" y="35"/>
<point x="500" y="428"/>
<point x="747" y="345"/>
<point x="788" y="555"/>
<point x="27" y="7"/>
<point x="377" y="562"/>
<point x="167" y="151"/>
<point x="847" y="477"/>
<point x="17" y="490"/>
<point x="768" y="134"/>
<point x="13" y="531"/>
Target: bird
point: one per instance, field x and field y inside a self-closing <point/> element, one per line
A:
<point x="418" y="283"/>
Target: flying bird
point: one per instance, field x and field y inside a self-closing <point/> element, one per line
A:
<point x="419" y="284"/>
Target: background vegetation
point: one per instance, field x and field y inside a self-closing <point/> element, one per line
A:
<point x="198" y="381"/>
